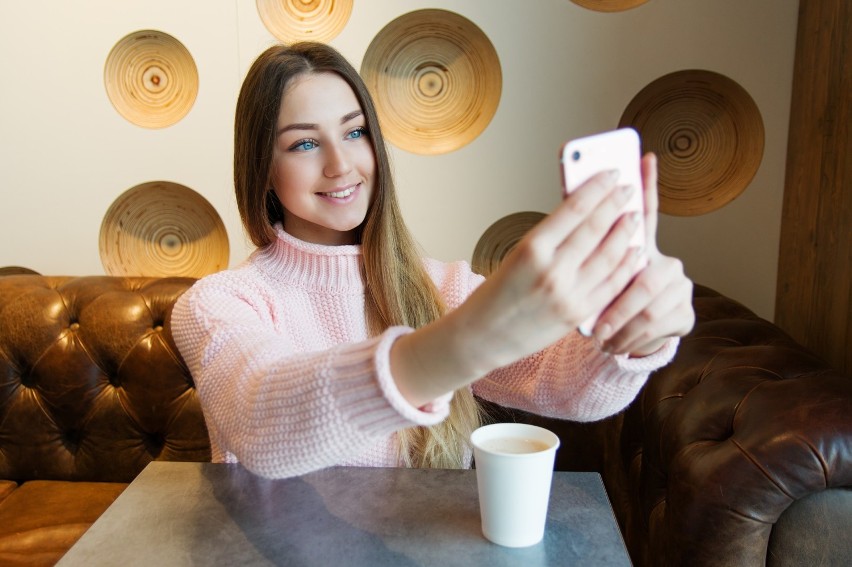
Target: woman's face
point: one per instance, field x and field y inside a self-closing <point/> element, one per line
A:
<point x="323" y="163"/>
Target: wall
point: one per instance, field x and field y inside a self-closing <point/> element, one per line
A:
<point x="567" y="71"/>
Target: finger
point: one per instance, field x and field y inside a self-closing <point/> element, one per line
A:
<point x="678" y="323"/>
<point x="590" y="234"/>
<point x="601" y="262"/>
<point x="649" y="284"/>
<point x="607" y="289"/>
<point x="668" y="314"/>
<point x="591" y="258"/>
<point x="574" y="210"/>
<point x="650" y="186"/>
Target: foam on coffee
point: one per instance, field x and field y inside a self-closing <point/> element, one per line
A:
<point x="514" y="445"/>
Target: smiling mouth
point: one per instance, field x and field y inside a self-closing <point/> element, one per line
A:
<point x="341" y="194"/>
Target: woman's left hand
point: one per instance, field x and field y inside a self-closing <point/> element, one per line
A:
<point x="657" y="304"/>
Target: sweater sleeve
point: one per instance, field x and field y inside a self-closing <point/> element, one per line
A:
<point x="571" y="379"/>
<point x="280" y="412"/>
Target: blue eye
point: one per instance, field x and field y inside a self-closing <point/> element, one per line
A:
<point x="304" y="145"/>
<point x="359" y="132"/>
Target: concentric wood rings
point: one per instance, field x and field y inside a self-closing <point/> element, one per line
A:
<point x="707" y="133"/>
<point x="151" y="79"/>
<point x="296" y="20"/>
<point x="162" y="229"/>
<point x="500" y="238"/>
<point x="16" y="271"/>
<point x="609" y="5"/>
<point x="436" y="79"/>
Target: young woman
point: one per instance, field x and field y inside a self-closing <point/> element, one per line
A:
<point x="336" y="343"/>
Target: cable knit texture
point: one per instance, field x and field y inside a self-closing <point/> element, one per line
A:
<point x="290" y="381"/>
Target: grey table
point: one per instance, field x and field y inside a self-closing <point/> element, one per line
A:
<point x="216" y="514"/>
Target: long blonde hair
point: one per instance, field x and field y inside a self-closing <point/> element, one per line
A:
<point x="398" y="289"/>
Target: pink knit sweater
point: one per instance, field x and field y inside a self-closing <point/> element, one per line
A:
<point x="290" y="381"/>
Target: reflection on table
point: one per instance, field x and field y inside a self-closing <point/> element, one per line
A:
<point x="216" y="514"/>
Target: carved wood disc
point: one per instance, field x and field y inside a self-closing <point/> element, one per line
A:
<point x="151" y="79"/>
<point x="707" y="133"/>
<point x="298" y="20"/>
<point x="162" y="229"/>
<point x="436" y="80"/>
<point x="500" y="238"/>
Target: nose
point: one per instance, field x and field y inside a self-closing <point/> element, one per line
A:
<point x="337" y="161"/>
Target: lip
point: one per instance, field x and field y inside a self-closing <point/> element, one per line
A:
<point x="356" y="190"/>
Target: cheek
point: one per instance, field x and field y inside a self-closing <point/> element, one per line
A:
<point x="368" y="161"/>
<point x="285" y="177"/>
<point x="281" y="185"/>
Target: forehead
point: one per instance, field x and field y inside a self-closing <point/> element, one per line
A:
<point x="315" y="97"/>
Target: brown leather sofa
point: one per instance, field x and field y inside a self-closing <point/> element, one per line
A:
<point x="737" y="453"/>
<point x="91" y="390"/>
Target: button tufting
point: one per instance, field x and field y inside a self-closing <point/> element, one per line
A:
<point x="71" y="439"/>
<point x="82" y="384"/>
<point x="154" y="443"/>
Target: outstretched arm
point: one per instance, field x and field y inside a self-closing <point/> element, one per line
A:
<point x="574" y="263"/>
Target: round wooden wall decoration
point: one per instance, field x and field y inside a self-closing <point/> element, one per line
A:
<point x="162" y="229"/>
<point x="17" y="271"/>
<point x="500" y="238"/>
<point x="436" y="80"/>
<point x="151" y="79"/>
<point x="298" y="20"/>
<point x="707" y="133"/>
<point x="609" y="5"/>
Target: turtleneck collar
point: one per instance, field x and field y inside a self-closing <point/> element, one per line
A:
<point x="311" y="266"/>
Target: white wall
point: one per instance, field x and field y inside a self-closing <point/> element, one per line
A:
<point x="567" y="71"/>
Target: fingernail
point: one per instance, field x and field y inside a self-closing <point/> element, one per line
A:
<point x="604" y="333"/>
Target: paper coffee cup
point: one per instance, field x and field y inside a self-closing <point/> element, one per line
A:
<point x="514" y="468"/>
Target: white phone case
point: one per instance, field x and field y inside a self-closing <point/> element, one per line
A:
<point x="617" y="149"/>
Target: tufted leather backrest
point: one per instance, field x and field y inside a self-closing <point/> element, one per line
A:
<point x="722" y="441"/>
<point x="91" y="384"/>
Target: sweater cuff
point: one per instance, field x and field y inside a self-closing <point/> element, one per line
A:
<point x="653" y="361"/>
<point x="429" y="414"/>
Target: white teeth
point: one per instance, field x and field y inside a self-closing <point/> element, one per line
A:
<point x="342" y="194"/>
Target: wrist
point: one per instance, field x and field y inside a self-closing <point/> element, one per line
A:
<point x="431" y="362"/>
<point x="649" y="349"/>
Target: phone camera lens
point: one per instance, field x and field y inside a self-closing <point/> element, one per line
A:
<point x="575" y="156"/>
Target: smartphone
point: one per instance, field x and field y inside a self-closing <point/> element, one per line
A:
<point x="617" y="149"/>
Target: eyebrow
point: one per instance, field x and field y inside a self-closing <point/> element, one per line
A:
<point x="308" y="126"/>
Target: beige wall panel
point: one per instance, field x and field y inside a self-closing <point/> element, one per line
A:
<point x="567" y="71"/>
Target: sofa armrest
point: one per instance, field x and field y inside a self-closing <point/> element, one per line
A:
<point x="741" y="425"/>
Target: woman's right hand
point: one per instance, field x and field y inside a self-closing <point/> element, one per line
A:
<point x="567" y="268"/>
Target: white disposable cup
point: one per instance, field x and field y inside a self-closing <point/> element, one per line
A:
<point x="514" y="488"/>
